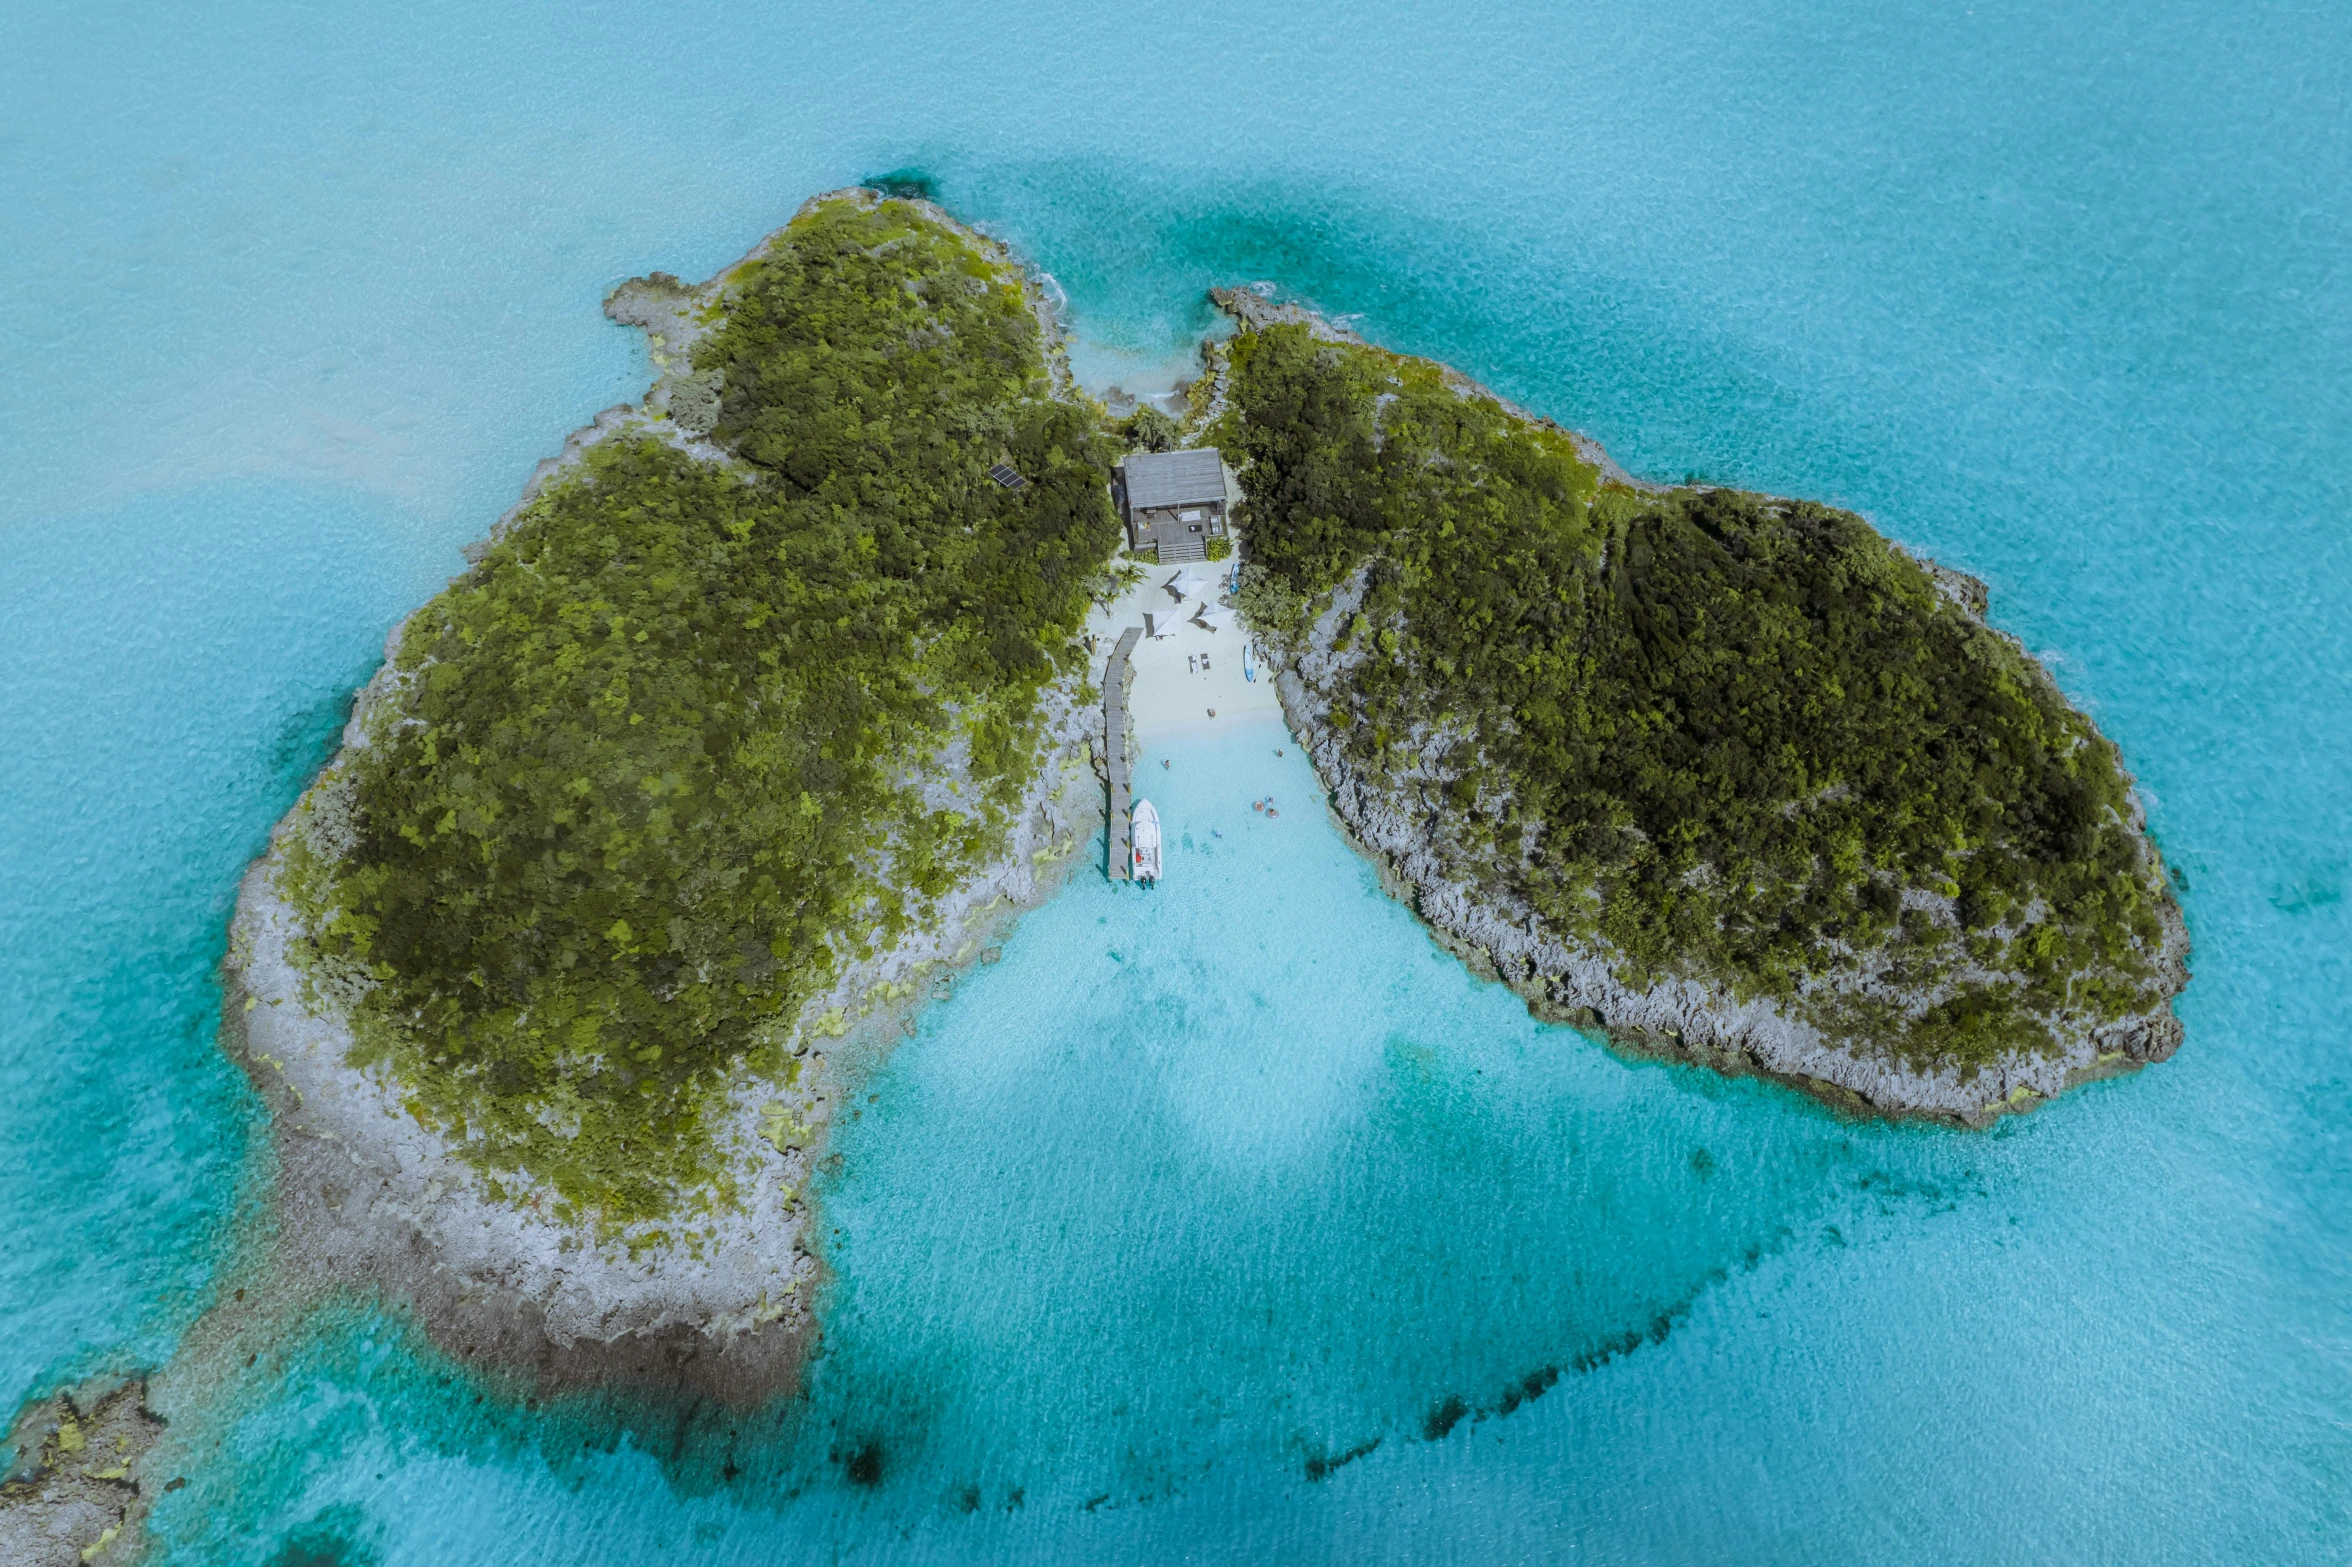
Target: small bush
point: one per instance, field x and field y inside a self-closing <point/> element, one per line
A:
<point x="1149" y="430"/>
<point x="694" y="403"/>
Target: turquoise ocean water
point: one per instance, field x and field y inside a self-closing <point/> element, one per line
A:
<point x="1236" y="1223"/>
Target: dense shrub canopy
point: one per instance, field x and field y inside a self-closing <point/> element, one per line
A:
<point x="659" y="759"/>
<point x="1721" y="736"/>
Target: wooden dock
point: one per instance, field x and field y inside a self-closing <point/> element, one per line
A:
<point x="1122" y="851"/>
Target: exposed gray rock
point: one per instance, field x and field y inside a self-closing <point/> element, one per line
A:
<point x="74" y="1493"/>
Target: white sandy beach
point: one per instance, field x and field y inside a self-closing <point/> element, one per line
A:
<point x="1188" y="677"/>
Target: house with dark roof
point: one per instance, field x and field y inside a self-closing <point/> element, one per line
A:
<point x="1174" y="502"/>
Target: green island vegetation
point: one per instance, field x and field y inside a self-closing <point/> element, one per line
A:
<point x="1703" y="733"/>
<point x="1149" y="430"/>
<point x="644" y="777"/>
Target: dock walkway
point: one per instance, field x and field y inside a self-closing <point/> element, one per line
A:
<point x="1122" y="851"/>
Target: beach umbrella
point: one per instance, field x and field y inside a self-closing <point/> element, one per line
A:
<point x="1215" y="615"/>
<point x="1185" y="585"/>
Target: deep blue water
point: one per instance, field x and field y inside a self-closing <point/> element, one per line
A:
<point x="1194" y="1195"/>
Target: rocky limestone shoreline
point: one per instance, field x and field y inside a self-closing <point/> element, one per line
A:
<point x="1683" y="1019"/>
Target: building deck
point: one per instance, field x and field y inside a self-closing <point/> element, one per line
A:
<point x="1122" y="849"/>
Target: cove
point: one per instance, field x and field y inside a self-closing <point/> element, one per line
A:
<point x="1219" y="1190"/>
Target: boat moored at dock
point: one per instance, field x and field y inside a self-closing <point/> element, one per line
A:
<point x="1144" y="829"/>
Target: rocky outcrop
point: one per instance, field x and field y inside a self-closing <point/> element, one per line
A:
<point x="74" y="1494"/>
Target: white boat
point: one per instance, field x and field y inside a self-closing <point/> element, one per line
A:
<point x="1144" y="833"/>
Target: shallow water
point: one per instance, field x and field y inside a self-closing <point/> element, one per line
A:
<point x="2059" y="298"/>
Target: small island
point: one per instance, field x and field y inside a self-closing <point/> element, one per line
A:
<point x="1729" y="776"/>
<point x="764" y="708"/>
<point x="770" y="704"/>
